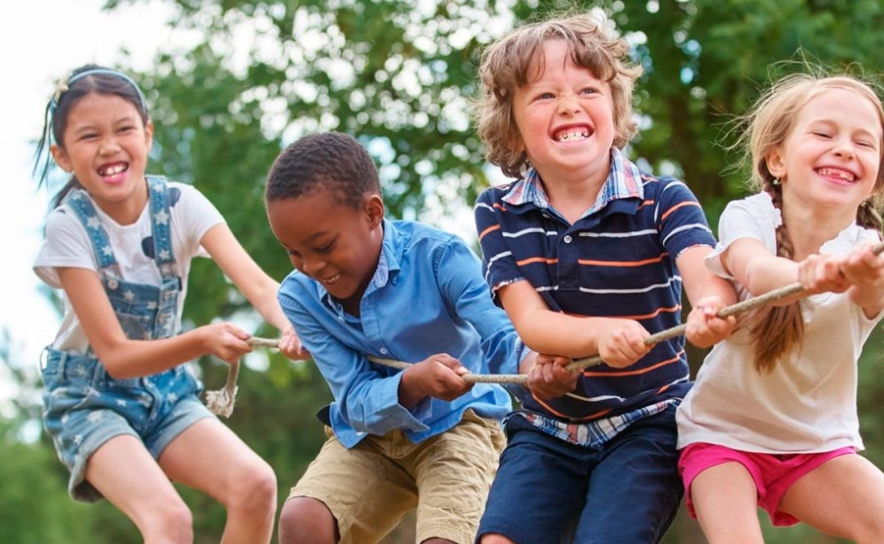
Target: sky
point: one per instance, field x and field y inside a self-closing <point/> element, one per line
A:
<point x="42" y="40"/>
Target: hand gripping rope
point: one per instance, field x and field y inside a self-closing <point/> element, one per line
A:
<point x="221" y="402"/>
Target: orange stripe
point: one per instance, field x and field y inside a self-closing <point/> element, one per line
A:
<point x="625" y="264"/>
<point x="670" y="210"/>
<point x="672" y="310"/>
<point x="537" y="260"/>
<point x="645" y="203"/>
<point x="499" y="206"/>
<point x="569" y="418"/>
<point x="632" y="372"/>
<point x="489" y="229"/>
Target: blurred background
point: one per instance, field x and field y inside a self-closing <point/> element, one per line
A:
<point x="230" y="82"/>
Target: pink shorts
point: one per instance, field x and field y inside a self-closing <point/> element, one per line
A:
<point x="773" y="474"/>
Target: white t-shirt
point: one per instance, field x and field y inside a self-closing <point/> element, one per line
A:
<point x="66" y="244"/>
<point x="807" y="403"/>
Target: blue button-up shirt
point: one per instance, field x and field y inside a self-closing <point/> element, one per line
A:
<point x="427" y="296"/>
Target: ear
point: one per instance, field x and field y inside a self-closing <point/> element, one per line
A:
<point x="148" y="135"/>
<point x="374" y="210"/>
<point x="776" y="163"/>
<point x="61" y="158"/>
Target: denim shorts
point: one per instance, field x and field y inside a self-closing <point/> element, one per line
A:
<point x="548" y="491"/>
<point x="83" y="407"/>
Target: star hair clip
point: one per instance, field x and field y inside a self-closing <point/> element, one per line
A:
<point x="61" y="87"/>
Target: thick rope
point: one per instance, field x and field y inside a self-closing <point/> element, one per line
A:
<point x="221" y="402"/>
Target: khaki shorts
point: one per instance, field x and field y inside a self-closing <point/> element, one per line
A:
<point x="369" y="488"/>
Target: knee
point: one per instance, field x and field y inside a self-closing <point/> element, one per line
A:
<point x="304" y="519"/>
<point x="172" y="522"/>
<point x="254" y="488"/>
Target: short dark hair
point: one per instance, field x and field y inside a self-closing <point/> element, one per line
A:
<point x="333" y="161"/>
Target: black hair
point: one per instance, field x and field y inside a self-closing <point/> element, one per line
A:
<point x="333" y="161"/>
<point x="99" y="80"/>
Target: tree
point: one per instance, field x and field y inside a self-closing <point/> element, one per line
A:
<point x="399" y="76"/>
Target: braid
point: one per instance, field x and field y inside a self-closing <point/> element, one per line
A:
<point x="868" y="217"/>
<point x="776" y="330"/>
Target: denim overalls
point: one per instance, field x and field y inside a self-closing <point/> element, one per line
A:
<point x="83" y="406"/>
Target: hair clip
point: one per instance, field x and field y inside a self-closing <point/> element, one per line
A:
<point x="61" y="87"/>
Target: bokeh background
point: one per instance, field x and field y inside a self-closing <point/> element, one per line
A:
<point x="230" y="82"/>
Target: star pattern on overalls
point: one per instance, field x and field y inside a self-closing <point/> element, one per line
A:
<point x="164" y="254"/>
<point x="161" y="217"/>
<point x="93" y="222"/>
<point x="152" y="305"/>
<point x="95" y="417"/>
<point x="129" y="296"/>
<point x="121" y="402"/>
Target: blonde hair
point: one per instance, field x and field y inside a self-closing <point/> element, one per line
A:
<point x="777" y="330"/>
<point x="505" y="66"/>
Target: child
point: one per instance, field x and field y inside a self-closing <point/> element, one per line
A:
<point x="365" y="286"/>
<point x="772" y="419"/>
<point x="587" y="255"/>
<point x="119" y="404"/>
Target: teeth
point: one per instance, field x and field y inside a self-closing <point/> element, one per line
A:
<point x="847" y="176"/>
<point x="570" y="136"/>
<point x="113" y="170"/>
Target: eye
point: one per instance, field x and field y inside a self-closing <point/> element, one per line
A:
<point x="126" y="128"/>
<point x="822" y="134"/>
<point x="589" y="90"/>
<point x="88" y="136"/>
<point x="326" y="248"/>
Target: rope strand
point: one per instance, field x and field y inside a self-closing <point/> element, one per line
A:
<point x="221" y="402"/>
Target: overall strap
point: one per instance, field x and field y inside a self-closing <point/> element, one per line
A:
<point x="85" y="212"/>
<point x="160" y="219"/>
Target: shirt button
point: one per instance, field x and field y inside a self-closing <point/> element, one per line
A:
<point x="384" y="351"/>
<point x="567" y="238"/>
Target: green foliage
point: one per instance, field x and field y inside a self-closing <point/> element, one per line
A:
<point x="399" y="75"/>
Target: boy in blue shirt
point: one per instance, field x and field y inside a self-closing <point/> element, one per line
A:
<point x="366" y="286"/>
<point x="587" y="256"/>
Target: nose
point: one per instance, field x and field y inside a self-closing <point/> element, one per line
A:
<point x="844" y="148"/>
<point x="312" y="266"/>
<point x="568" y="103"/>
<point x="108" y="146"/>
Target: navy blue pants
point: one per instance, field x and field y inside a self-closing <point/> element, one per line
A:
<point x="548" y="490"/>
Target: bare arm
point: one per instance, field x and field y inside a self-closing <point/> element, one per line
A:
<point x="619" y="342"/>
<point x="259" y="288"/>
<point x="124" y="358"/>
<point x="708" y="294"/>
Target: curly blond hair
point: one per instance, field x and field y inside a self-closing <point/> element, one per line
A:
<point x="505" y="66"/>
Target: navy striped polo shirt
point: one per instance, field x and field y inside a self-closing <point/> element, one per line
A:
<point x="618" y="260"/>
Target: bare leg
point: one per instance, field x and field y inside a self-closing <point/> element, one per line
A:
<point x="210" y="457"/>
<point x="126" y="474"/>
<point x="843" y="497"/>
<point x="305" y="520"/>
<point x="726" y="502"/>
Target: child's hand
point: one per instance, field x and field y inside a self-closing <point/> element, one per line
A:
<point x="439" y="376"/>
<point x="865" y="270"/>
<point x="621" y="342"/>
<point x="225" y="341"/>
<point x="822" y="273"/>
<point x="547" y="376"/>
<point x="290" y="345"/>
<point x="704" y="327"/>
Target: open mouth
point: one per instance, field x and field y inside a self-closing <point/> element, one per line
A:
<point x="111" y="170"/>
<point x="838" y="174"/>
<point x="572" y="135"/>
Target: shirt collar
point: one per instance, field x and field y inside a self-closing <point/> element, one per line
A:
<point x="624" y="181"/>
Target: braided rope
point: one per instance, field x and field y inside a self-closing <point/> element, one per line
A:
<point x="221" y="402"/>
